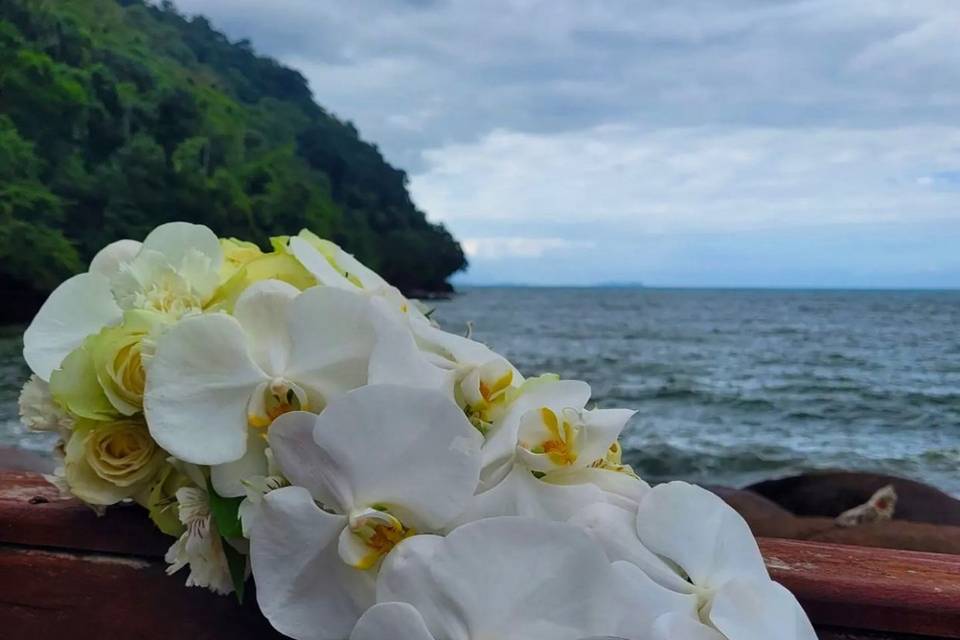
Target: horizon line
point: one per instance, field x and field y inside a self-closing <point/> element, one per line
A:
<point x="662" y="287"/>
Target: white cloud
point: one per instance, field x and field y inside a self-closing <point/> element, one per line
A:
<point x="691" y="141"/>
<point x="496" y="248"/>
<point x="693" y="179"/>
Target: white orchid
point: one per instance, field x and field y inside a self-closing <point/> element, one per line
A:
<point x="507" y="578"/>
<point x="692" y="543"/>
<point x="174" y="270"/>
<point x="216" y="382"/>
<point x="545" y="457"/>
<point x="334" y="267"/>
<point x="379" y="464"/>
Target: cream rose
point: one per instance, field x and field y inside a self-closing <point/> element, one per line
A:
<point x="107" y="462"/>
<point x="118" y="356"/>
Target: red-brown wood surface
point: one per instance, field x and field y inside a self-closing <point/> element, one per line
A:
<point x="868" y="588"/>
<point x="55" y="594"/>
<point x="64" y="572"/>
<point x="33" y="513"/>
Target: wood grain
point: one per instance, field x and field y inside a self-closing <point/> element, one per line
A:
<point x="33" y="513"/>
<point x="56" y="594"/>
<point x="66" y="572"/>
<point x="869" y="588"/>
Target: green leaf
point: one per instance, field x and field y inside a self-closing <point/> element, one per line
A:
<point x="237" y="563"/>
<point x="225" y="513"/>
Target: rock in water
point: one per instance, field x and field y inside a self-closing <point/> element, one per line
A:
<point x="830" y="493"/>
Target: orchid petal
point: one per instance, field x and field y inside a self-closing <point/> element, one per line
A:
<point x="333" y="337"/>
<point x="748" y="608"/>
<point x="700" y="532"/>
<point x="614" y="529"/>
<point x="198" y="385"/>
<point x="644" y="601"/>
<point x="299" y="458"/>
<point x="460" y="350"/>
<point x="317" y="264"/>
<point x="345" y="262"/>
<point x="393" y="620"/>
<point x="601" y="428"/>
<point x="176" y="241"/>
<point x="410" y="450"/>
<point x="303" y="588"/>
<point x="631" y="488"/>
<point x="505" y="578"/>
<point x="228" y="478"/>
<point x="108" y="260"/>
<point x="79" y="307"/>
<point x="677" y="626"/>
<point x="522" y="494"/>
<point x="396" y="359"/>
<point x="263" y="311"/>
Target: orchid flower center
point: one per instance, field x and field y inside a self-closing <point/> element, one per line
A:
<point x="613" y="461"/>
<point x="272" y="399"/>
<point x="556" y="435"/>
<point x="369" y="536"/>
<point x="486" y="392"/>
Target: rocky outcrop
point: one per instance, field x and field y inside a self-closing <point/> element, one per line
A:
<point x="828" y="494"/>
<point x="771" y="520"/>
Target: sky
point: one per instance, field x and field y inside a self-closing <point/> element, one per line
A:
<point x="688" y="143"/>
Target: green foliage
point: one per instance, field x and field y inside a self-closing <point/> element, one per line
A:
<point x="226" y="513"/>
<point x="118" y="115"/>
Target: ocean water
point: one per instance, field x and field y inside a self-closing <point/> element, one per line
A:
<point x="730" y="387"/>
<point x="736" y="386"/>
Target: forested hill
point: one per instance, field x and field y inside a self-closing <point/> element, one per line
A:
<point x="118" y="115"/>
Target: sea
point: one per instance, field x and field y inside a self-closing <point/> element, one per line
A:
<point x="730" y="386"/>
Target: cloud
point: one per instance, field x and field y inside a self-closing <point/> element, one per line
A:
<point x="694" y="179"/>
<point x="497" y="248"/>
<point x="669" y="136"/>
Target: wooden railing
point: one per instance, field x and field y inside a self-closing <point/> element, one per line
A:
<point x="64" y="572"/>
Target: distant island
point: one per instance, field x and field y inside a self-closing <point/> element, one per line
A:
<point x="118" y="115"/>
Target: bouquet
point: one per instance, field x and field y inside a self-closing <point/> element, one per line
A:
<point x="291" y="417"/>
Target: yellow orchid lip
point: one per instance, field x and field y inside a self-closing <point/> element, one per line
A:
<point x="370" y="535"/>
<point x="561" y="445"/>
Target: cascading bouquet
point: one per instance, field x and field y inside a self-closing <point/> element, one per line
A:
<point x="292" y="416"/>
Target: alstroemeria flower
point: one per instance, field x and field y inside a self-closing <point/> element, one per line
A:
<point x="691" y="542"/>
<point x="510" y="579"/>
<point x="175" y="270"/>
<point x="380" y="464"/>
<point x="216" y="382"/>
<point x="199" y="547"/>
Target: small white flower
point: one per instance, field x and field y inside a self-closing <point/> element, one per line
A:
<point x="38" y="411"/>
<point x="200" y="546"/>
